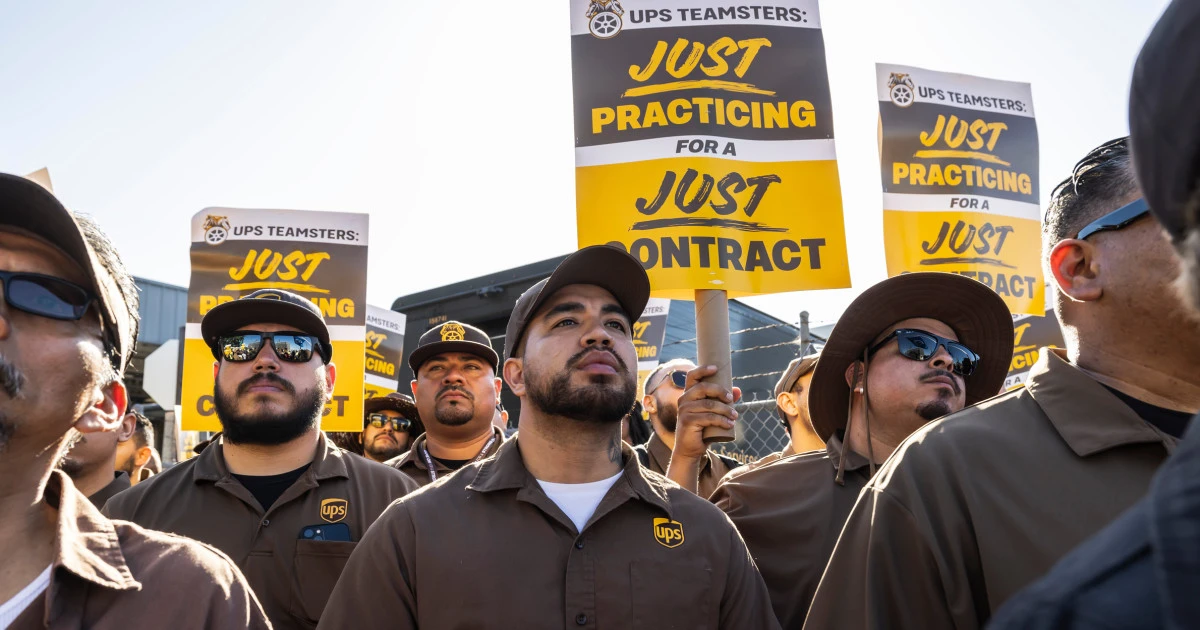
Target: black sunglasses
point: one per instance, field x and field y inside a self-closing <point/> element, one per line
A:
<point x="1117" y="219"/>
<point x="379" y="421"/>
<point x="46" y="296"/>
<point x="919" y="345"/>
<point x="678" y="377"/>
<point x="244" y="346"/>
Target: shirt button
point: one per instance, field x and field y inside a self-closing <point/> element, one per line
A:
<point x="579" y="544"/>
<point x="581" y="619"/>
<point x="266" y="522"/>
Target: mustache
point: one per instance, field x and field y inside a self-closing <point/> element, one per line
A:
<point x="954" y="378"/>
<point x="12" y="381"/>
<point x="456" y="388"/>
<point x="266" y="377"/>
<point x="582" y="354"/>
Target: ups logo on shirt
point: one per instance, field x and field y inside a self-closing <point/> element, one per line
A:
<point x="668" y="533"/>
<point x="334" y="510"/>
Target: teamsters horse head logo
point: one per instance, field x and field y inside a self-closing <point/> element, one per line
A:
<point x="216" y="229"/>
<point x="604" y="18"/>
<point x="900" y="89"/>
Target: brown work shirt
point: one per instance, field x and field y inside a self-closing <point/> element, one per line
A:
<point x="292" y="573"/>
<point x="711" y="469"/>
<point x="976" y="505"/>
<point x="412" y="463"/>
<point x="486" y="548"/>
<point x="790" y="513"/>
<point x="115" y="575"/>
<point x="120" y="482"/>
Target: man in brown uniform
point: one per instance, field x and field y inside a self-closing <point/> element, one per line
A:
<point x="975" y="506"/>
<point x="663" y="387"/>
<point x="791" y="511"/>
<point x="135" y="456"/>
<point x="791" y="403"/>
<point x="67" y="329"/>
<point x="389" y="425"/>
<point x="272" y="492"/>
<point x="91" y="462"/>
<point x="456" y="389"/>
<point x="562" y="527"/>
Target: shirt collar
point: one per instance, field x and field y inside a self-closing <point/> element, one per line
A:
<point x="413" y="454"/>
<point x="329" y="461"/>
<point x="1087" y="416"/>
<point x="662" y="455"/>
<point x="506" y="471"/>
<point x="86" y="543"/>
<point x="835" y="448"/>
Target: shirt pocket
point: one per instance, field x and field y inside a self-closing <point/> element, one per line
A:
<point x="319" y="564"/>
<point x="672" y="595"/>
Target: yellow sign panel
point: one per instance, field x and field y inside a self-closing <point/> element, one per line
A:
<point x="319" y="255"/>
<point x="704" y="145"/>
<point x="959" y="165"/>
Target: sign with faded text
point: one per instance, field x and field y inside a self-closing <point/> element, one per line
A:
<point x="321" y="256"/>
<point x="959" y="164"/>
<point x="704" y="144"/>
<point x="1030" y="334"/>
<point x="649" y="333"/>
<point x="385" y="347"/>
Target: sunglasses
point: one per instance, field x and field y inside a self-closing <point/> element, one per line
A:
<point x="1117" y="219"/>
<point x="46" y="296"/>
<point x="919" y="345"/>
<point x="677" y="377"/>
<point x="379" y="421"/>
<point x="245" y="345"/>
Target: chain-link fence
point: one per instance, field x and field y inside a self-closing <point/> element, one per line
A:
<point x="757" y="432"/>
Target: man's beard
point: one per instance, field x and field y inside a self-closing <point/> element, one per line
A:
<point x="71" y="467"/>
<point x="265" y="428"/>
<point x="668" y="415"/>
<point x="384" y="452"/>
<point x="599" y="401"/>
<point x="12" y="382"/>
<point x="454" y="415"/>
<point x="940" y="406"/>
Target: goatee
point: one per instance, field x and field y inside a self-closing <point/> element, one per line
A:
<point x="605" y="400"/>
<point x="264" y="427"/>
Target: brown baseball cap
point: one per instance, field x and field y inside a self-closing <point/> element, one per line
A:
<point x="976" y="314"/>
<point x="605" y="266"/>
<point x="28" y="206"/>
<point x="796" y="368"/>
<point x="266" y="306"/>
<point x="453" y="336"/>
<point x="401" y="404"/>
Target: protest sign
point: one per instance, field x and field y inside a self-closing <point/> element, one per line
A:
<point x="704" y="144"/>
<point x="649" y="332"/>
<point x="385" y="349"/>
<point x="318" y="255"/>
<point x="959" y="163"/>
<point x="1030" y="333"/>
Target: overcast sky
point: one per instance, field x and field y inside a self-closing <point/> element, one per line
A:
<point x="450" y="123"/>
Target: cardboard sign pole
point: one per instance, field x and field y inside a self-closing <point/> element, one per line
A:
<point x="712" y="347"/>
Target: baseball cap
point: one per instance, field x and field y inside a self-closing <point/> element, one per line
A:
<point x="1163" y="125"/>
<point x="796" y="368"/>
<point x="607" y="267"/>
<point x="28" y="206"/>
<point x="453" y="337"/>
<point x="266" y="306"/>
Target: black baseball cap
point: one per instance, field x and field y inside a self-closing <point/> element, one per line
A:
<point x="453" y="337"/>
<point x="267" y="306"/>
<point x="605" y="266"/>
<point x="28" y="206"/>
<point x="1163" y="125"/>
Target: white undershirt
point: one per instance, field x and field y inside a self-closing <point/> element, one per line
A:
<point x="11" y="609"/>
<point x="578" y="500"/>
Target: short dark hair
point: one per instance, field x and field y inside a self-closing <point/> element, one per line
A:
<point x="107" y="254"/>
<point x="1096" y="186"/>
<point x="143" y="434"/>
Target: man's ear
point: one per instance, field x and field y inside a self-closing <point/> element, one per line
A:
<point x="787" y="402"/>
<point x="413" y="387"/>
<point x="854" y="375"/>
<point x="142" y="456"/>
<point x="499" y="387"/>
<point x="650" y="404"/>
<point x="330" y="378"/>
<point x="128" y="426"/>
<point x="216" y="369"/>
<point x="1076" y="271"/>
<point x="107" y="410"/>
<point x="514" y="375"/>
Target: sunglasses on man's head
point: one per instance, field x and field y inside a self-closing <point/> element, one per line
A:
<point x="245" y="345"/>
<point x="46" y="296"/>
<point x="1117" y="219"/>
<point x="677" y="377"/>
<point x="920" y="345"/>
<point x="379" y="420"/>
